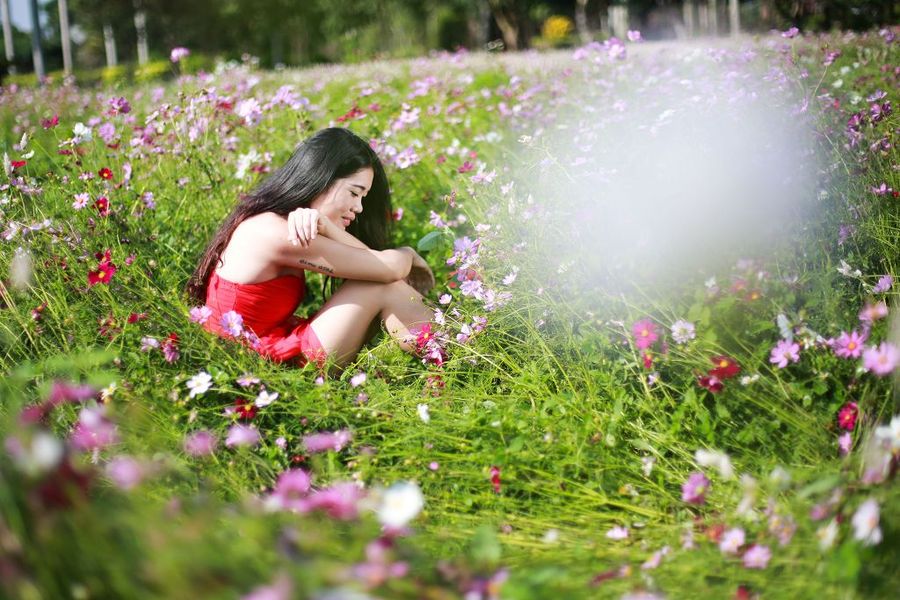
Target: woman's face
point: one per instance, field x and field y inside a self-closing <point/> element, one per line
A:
<point x="342" y="201"/>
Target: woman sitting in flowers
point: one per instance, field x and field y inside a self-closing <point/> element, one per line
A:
<point x="328" y="210"/>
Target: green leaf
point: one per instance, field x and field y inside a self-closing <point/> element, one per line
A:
<point x="431" y="241"/>
<point x="819" y="486"/>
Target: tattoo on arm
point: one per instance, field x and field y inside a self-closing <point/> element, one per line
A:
<point x="322" y="268"/>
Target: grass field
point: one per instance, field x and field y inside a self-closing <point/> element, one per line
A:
<point x="663" y="359"/>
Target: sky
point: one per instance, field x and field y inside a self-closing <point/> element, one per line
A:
<point x="20" y="14"/>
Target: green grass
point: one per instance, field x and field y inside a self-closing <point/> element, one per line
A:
<point x="552" y="392"/>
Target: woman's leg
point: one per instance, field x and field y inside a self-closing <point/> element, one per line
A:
<point x="344" y="323"/>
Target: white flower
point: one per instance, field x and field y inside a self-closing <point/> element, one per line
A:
<point x="683" y="331"/>
<point x="245" y="161"/>
<point x="889" y="435"/>
<point x="827" y="535"/>
<point x="199" y="383"/>
<point x="714" y="458"/>
<point x="865" y="523"/>
<point x="745" y="506"/>
<point x="647" y="463"/>
<point x="41" y="455"/>
<point x="400" y="504"/>
<point x="357" y="380"/>
<point x="81" y="133"/>
<point x="617" y="533"/>
<point x="265" y="398"/>
<point x="107" y="392"/>
<point x="423" y="413"/>
<point x="780" y="477"/>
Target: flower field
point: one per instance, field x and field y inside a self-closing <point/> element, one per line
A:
<point x="661" y="365"/>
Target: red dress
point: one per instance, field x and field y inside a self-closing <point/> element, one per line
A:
<point x="267" y="309"/>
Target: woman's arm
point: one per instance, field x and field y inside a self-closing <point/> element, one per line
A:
<point x="304" y="223"/>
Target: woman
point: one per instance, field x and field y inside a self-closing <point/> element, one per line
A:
<point x="328" y="210"/>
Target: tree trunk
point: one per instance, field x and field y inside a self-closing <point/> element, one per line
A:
<point x="687" y="11"/>
<point x="713" y="17"/>
<point x="140" y="28"/>
<point x="734" y="18"/>
<point x="109" y="43"/>
<point x="581" y="24"/>
<point x="65" y="39"/>
<point x="7" y="37"/>
<point x="36" y="51"/>
<point x="507" y="22"/>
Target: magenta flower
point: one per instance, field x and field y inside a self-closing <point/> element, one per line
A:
<point x="200" y="443"/>
<point x="783" y="353"/>
<point x="291" y="490"/>
<point x="883" y="285"/>
<point x="849" y="345"/>
<point x="847" y="416"/>
<point x="93" y="430"/>
<point x="242" y="435"/>
<point x="757" y="557"/>
<point x="327" y="440"/>
<point x="882" y="359"/>
<point x="645" y="334"/>
<point x="694" y="489"/>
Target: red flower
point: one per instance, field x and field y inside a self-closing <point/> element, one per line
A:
<point x="51" y="122"/>
<point x="135" y="317"/>
<point x="105" y="173"/>
<point x="170" y="348"/>
<point x="466" y="167"/>
<point x="847" y="416"/>
<point x="103" y="274"/>
<point x="648" y="359"/>
<point x="353" y="113"/>
<point x="711" y="383"/>
<point x="495" y="478"/>
<point x="245" y="408"/>
<point x="17" y="163"/>
<point x="102" y="206"/>
<point x="725" y="367"/>
<point x="424" y="336"/>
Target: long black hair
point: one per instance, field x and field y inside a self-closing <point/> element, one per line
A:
<point x="328" y="155"/>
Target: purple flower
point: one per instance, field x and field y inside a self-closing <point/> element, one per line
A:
<point x="232" y="323"/>
<point x="200" y="443"/>
<point x="200" y="314"/>
<point x="694" y="489"/>
<point x="634" y="36"/>
<point x="883" y="285"/>
<point x="881" y="359"/>
<point x="845" y="443"/>
<point x="357" y="380"/>
<point x="242" y="435"/>
<point x="683" y="331"/>
<point x="757" y="557"/>
<point x="784" y="352"/>
<point x="849" y="345"/>
<point x="327" y="440"/>
<point x="790" y="33"/>
<point x="873" y="312"/>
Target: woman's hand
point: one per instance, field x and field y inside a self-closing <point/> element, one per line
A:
<point x="420" y="276"/>
<point x="304" y="224"/>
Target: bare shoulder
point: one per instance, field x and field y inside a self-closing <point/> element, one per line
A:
<point x="262" y="228"/>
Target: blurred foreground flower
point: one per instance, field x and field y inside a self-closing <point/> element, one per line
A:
<point x="400" y="504"/>
<point x="178" y="54"/>
<point x="694" y="489"/>
<point x="865" y="523"/>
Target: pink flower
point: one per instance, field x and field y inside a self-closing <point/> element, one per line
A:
<point x="790" y="33"/>
<point x="732" y="540"/>
<point x="125" y="472"/>
<point x="232" y="323"/>
<point x="644" y="332"/>
<point x="200" y="443"/>
<point x="93" y="430"/>
<point x="617" y="533"/>
<point x="784" y="352"/>
<point x="321" y="442"/>
<point x="881" y="359"/>
<point x="357" y="380"/>
<point x="634" y="36"/>
<point x="242" y="435"/>
<point x="200" y="314"/>
<point x="178" y="54"/>
<point x="873" y="312"/>
<point x="757" y="557"/>
<point x="339" y="501"/>
<point x="849" y="345"/>
<point x="845" y="443"/>
<point x="847" y="416"/>
<point x="694" y="489"/>
<point x="290" y="490"/>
